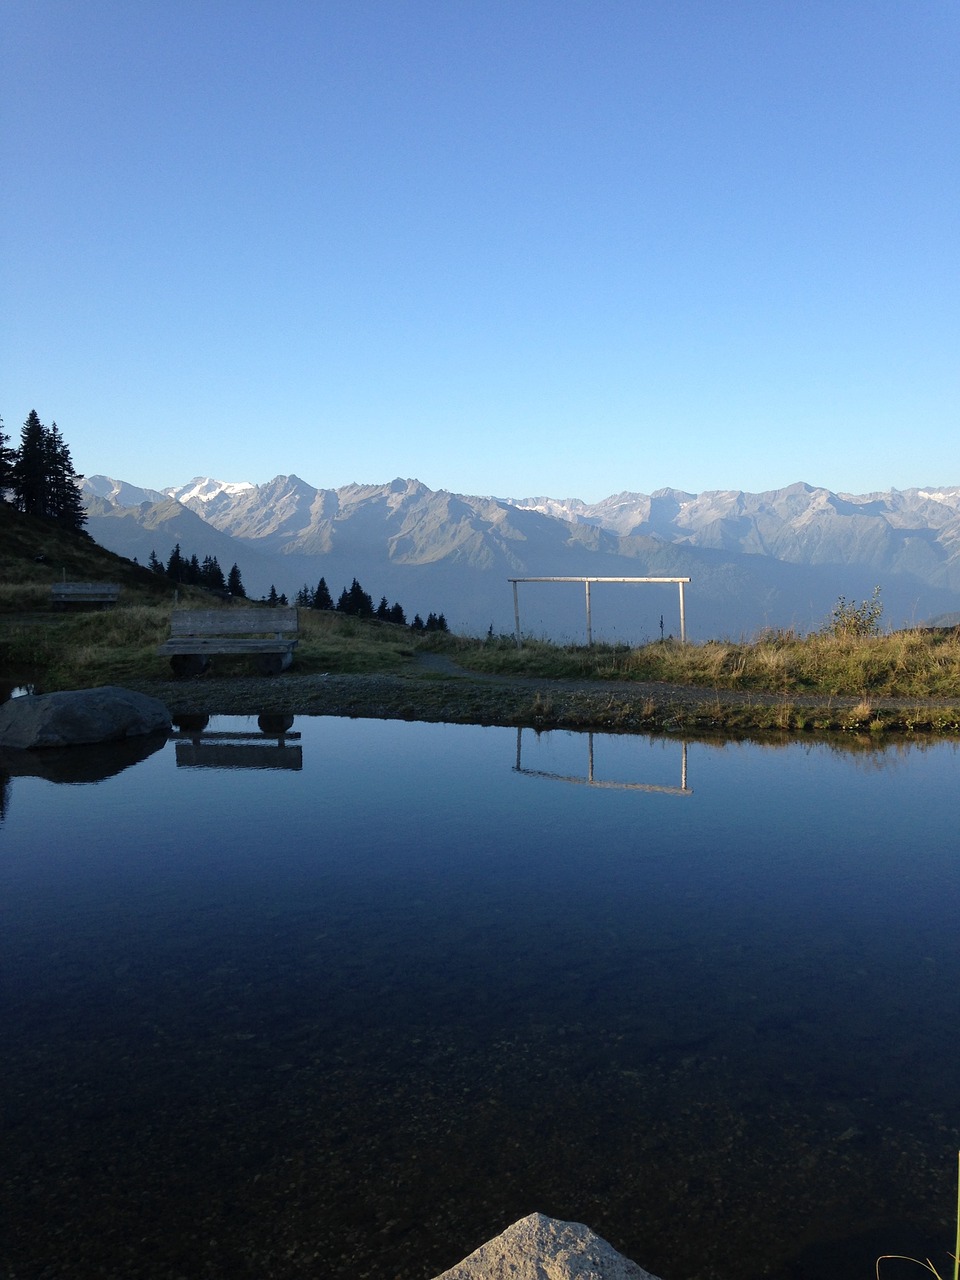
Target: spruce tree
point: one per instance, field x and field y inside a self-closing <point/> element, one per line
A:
<point x="211" y="575"/>
<point x="234" y="584"/>
<point x="321" y="597"/>
<point x="176" y="564"/>
<point x="42" y="477"/>
<point x="64" y="503"/>
<point x="361" y="605"/>
<point x="154" y="564"/>
<point x="8" y="458"/>
<point x="30" y="469"/>
<point x="398" y="616"/>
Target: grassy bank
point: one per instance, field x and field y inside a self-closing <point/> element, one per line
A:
<point x="906" y="664"/>
<point x="905" y="682"/>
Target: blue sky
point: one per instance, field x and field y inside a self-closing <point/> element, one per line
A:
<point x="516" y="248"/>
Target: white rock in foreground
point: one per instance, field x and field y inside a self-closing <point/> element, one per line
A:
<point x="541" y="1248"/>
<point x="80" y="717"/>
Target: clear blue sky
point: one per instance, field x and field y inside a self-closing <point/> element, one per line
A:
<point x="517" y="248"/>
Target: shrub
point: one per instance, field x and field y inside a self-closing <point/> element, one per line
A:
<point x="850" y="619"/>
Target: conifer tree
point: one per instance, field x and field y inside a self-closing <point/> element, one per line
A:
<point x="8" y="458"/>
<point x="272" y="598"/>
<point x="211" y="575"/>
<point x="383" y="609"/>
<point x="361" y="605"/>
<point x="321" y="597"/>
<point x="154" y="564"/>
<point x="234" y="584"/>
<point x="176" y="564"/>
<point x="64" y="503"/>
<point x="42" y="477"/>
<point x="29" y="472"/>
<point x="398" y="616"/>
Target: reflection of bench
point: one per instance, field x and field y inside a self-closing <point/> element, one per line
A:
<point x="267" y="635"/>
<point x="63" y="594"/>
<point x="236" y="749"/>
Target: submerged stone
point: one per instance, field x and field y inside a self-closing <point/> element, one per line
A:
<point x="542" y="1248"/>
<point x="79" y="717"/>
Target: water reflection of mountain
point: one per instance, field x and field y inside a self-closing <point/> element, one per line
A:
<point x="589" y="778"/>
<point x="273" y="746"/>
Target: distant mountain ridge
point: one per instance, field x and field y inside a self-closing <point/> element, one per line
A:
<point x="775" y="559"/>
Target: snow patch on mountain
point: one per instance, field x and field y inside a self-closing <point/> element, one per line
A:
<point x="203" y="489"/>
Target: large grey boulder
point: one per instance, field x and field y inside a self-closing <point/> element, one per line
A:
<point x="541" y="1248"/>
<point x="79" y="717"/>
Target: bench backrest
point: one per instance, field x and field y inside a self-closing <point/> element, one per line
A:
<point x="85" y="590"/>
<point x="233" y="622"/>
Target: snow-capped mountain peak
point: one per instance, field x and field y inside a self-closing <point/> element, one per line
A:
<point x="204" y="489"/>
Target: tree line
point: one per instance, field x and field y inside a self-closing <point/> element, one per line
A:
<point x="353" y="600"/>
<point x="39" y="475"/>
<point x="196" y="573"/>
<point x="356" y="602"/>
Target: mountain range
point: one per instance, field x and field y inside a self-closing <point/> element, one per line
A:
<point x="779" y="559"/>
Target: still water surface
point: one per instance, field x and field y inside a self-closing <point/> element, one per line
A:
<point x="349" y="1002"/>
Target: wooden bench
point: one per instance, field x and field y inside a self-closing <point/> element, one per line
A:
<point x="267" y="635"/>
<point x="64" y="594"/>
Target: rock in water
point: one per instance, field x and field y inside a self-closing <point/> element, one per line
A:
<point x="541" y="1248"/>
<point x="79" y="717"/>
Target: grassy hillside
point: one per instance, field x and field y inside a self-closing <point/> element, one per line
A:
<point x="35" y="553"/>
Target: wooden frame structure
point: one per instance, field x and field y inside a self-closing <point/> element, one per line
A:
<point x="586" y="582"/>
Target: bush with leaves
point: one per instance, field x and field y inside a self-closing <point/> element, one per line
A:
<point x="850" y="620"/>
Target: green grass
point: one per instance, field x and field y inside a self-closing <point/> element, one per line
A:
<point x="109" y="646"/>
<point x="87" y="648"/>
<point x="905" y="664"/>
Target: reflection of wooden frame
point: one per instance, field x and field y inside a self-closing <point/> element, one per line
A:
<point x="586" y="583"/>
<point x="590" y="781"/>
<point x="221" y="749"/>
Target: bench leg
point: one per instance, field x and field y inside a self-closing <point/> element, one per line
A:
<point x="271" y="664"/>
<point x="188" y="664"/>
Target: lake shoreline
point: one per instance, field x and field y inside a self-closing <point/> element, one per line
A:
<point x="449" y="694"/>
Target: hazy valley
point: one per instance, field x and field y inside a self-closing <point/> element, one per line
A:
<point x="778" y="559"/>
